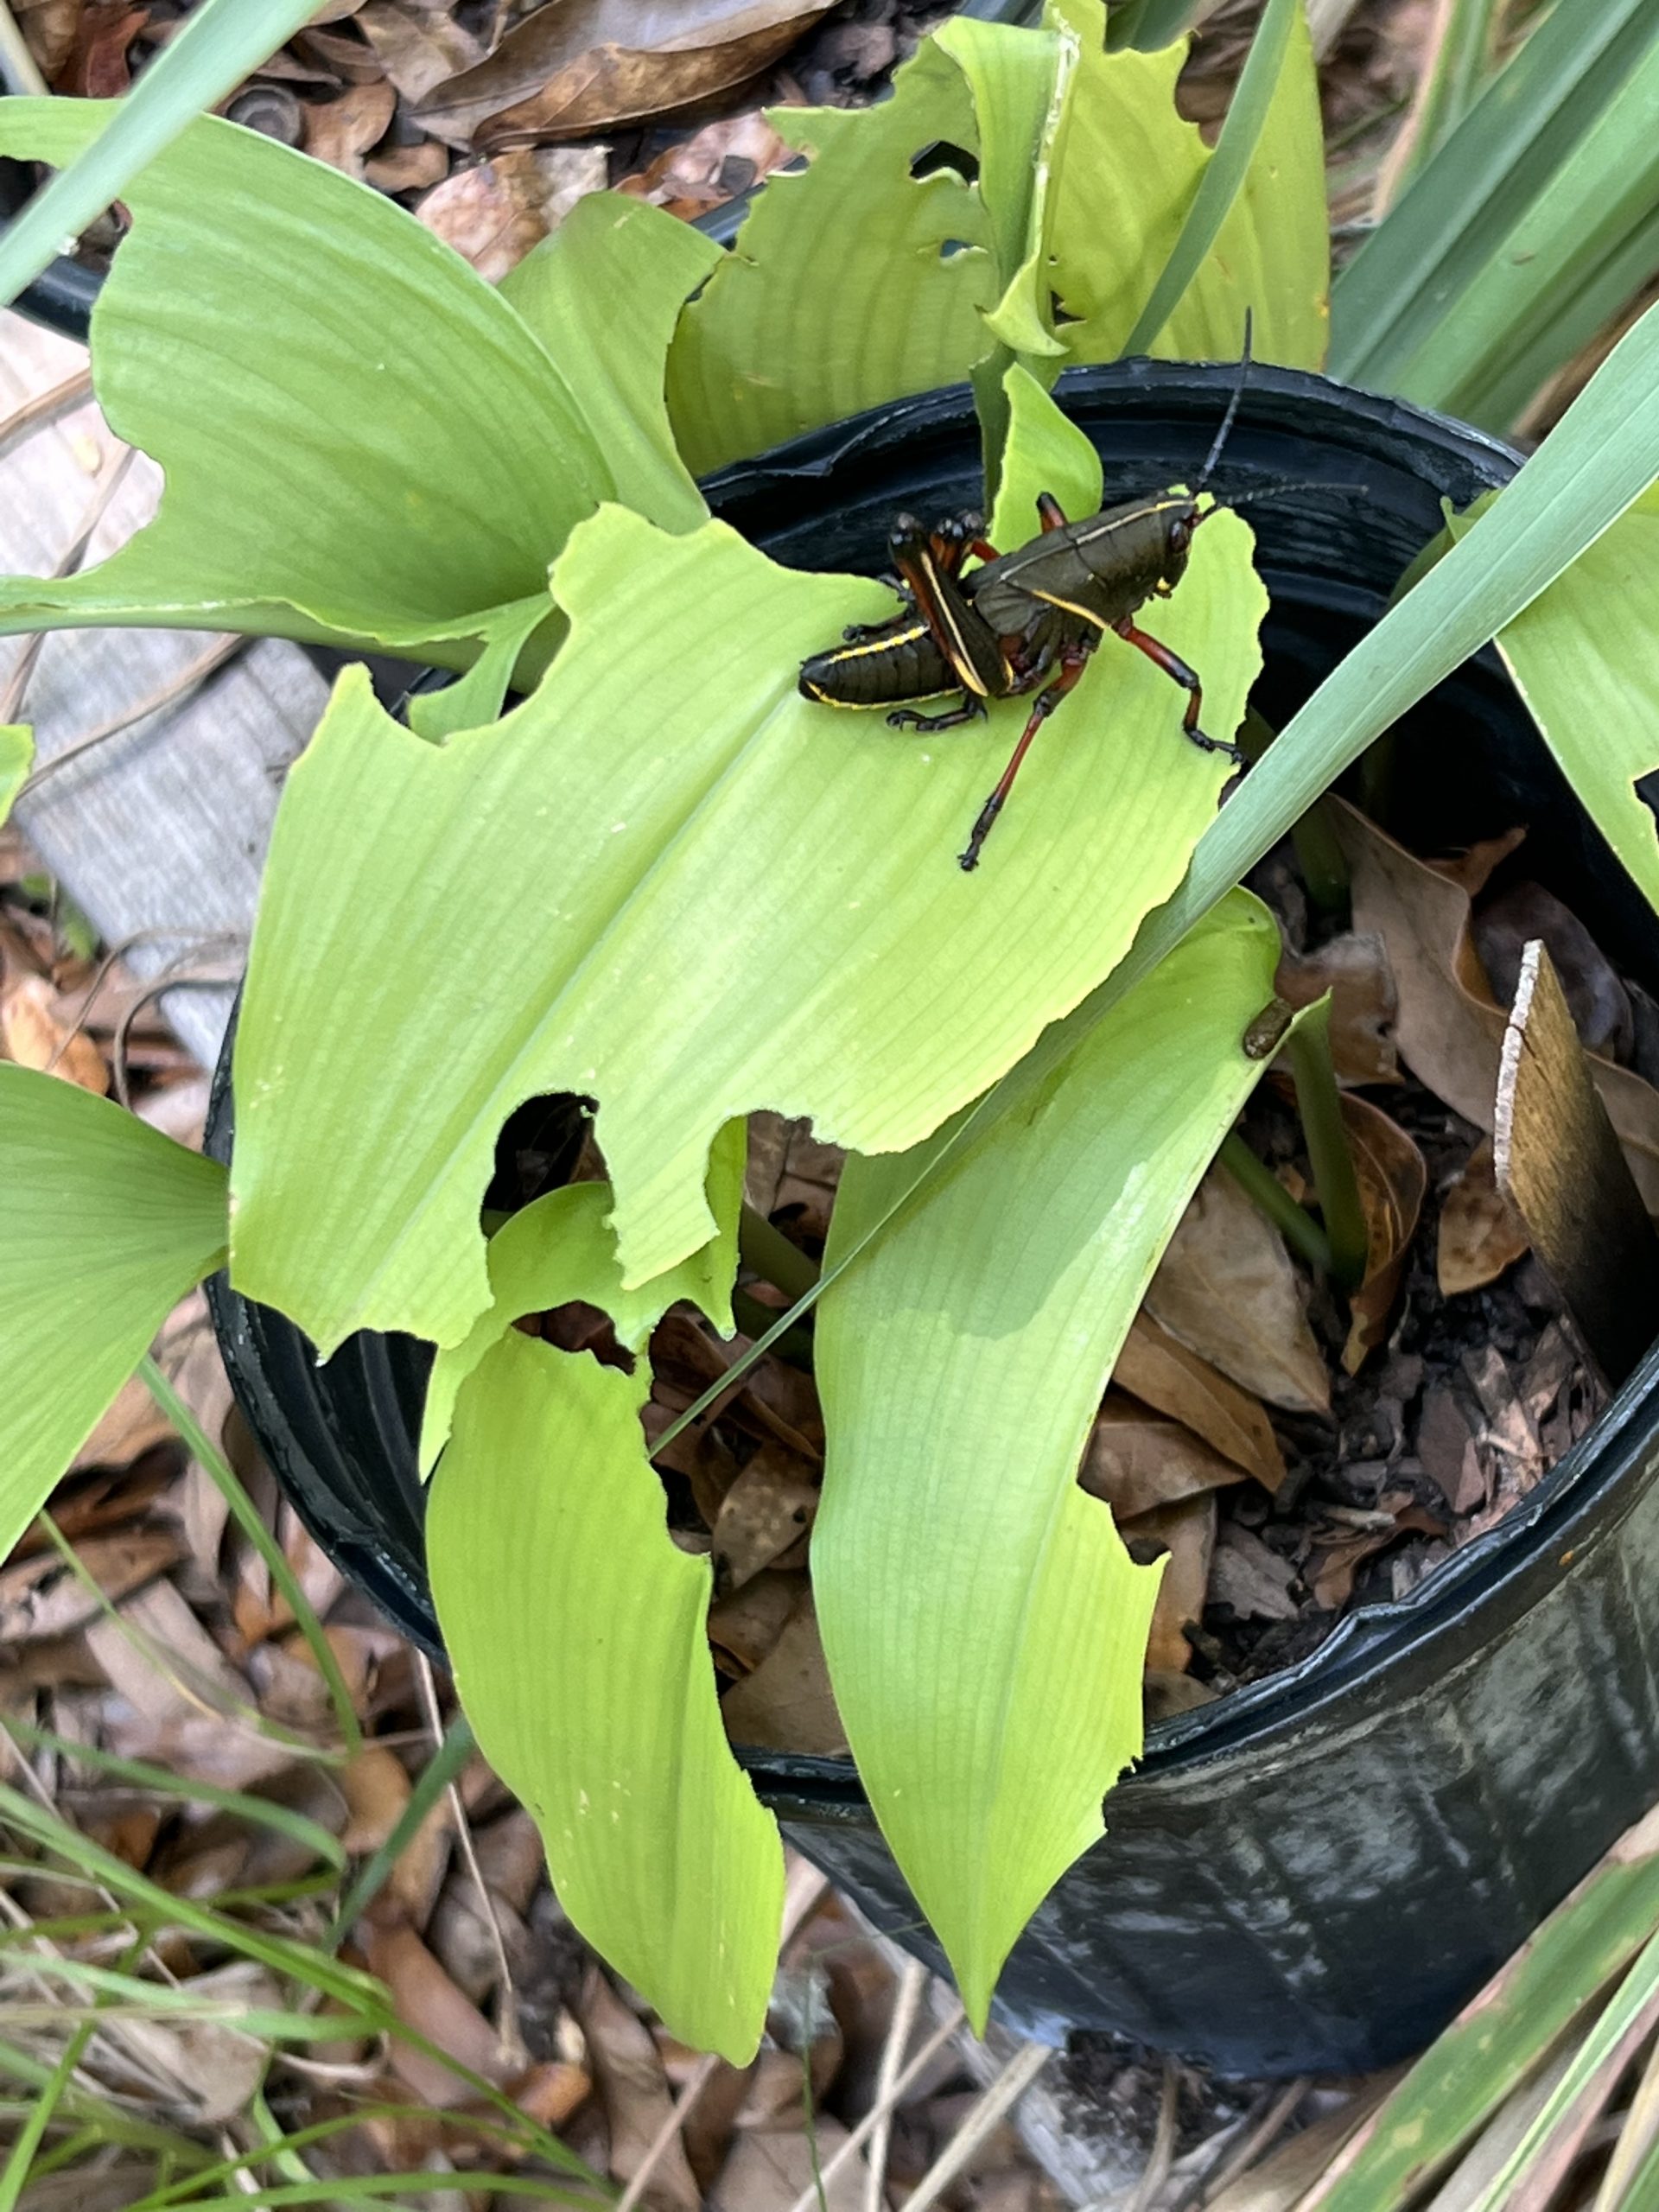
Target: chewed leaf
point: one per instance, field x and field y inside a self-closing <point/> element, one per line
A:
<point x="608" y="287"/>
<point x="695" y="893"/>
<point x="106" y="1225"/>
<point x="797" y="329"/>
<point x="560" y="1249"/>
<point x="575" y="1625"/>
<point x="362" y="441"/>
<point x="1126" y="169"/>
<point x="984" y="1624"/>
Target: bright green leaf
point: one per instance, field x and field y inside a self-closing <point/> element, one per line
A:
<point x="694" y="894"/>
<point x="1019" y="80"/>
<point x="106" y="1224"/>
<point x="218" y="44"/>
<point x="1127" y="170"/>
<point x="1257" y="218"/>
<point x="362" y="441"/>
<point x="1585" y="657"/>
<point x="559" y="1248"/>
<point x="609" y="285"/>
<point x="16" y="758"/>
<point x="851" y="283"/>
<point x="984" y="1625"/>
<point x="1046" y="453"/>
<point x="575" y="1625"/>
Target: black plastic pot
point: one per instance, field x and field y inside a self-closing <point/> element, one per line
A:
<point x="62" y="295"/>
<point x="1314" y="1872"/>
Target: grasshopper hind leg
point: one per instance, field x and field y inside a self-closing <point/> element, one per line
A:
<point x="1176" y="669"/>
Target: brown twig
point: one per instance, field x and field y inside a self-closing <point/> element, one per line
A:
<point x="512" y="2043"/>
<point x="912" y="1981"/>
<point x="45" y="409"/>
<point x="17" y="684"/>
<point x="1003" y="2095"/>
<point x="804" y="1887"/>
<point x="174" y="692"/>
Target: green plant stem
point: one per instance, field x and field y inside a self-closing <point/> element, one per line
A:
<point x="1319" y="1102"/>
<point x="754" y="1318"/>
<point x="1224" y="176"/>
<point x="1268" y="1195"/>
<point x="435" y="1776"/>
<point x="224" y="1478"/>
<point x="1318" y="852"/>
<point x="769" y="1254"/>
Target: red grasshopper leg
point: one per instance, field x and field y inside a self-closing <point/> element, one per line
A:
<point x="1072" y="665"/>
<point x="1175" y="667"/>
<point x="1050" y="512"/>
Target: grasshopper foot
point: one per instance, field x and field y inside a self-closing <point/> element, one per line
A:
<point x="1234" y="753"/>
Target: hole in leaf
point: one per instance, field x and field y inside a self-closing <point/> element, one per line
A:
<point x="933" y="160"/>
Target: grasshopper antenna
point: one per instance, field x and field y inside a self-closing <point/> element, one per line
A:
<point x="1214" y="455"/>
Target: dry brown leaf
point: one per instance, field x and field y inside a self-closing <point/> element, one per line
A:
<point x="426" y="1999"/>
<point x="1480" y="1232"/>
<point x="1137" y="1459"/>
<point x="98" y="69"/>
<point x="132" y="1423"/>
<point x="161" y="1659"/>
<point x="768" y="2169"/>
<point x="216" y="2066"/>
<point x="1163" y="1695"/>
<point x="1159" y="1370"/>
<point x="376" y="1786"/>
<point x="1447" y="1447"/>
<point x="48" y="28"/>
<point x="767" y="1511"/>
<point x="580" y="66"/>
<point x="41" y="1597"/>
<point x="407" y="169"/>
<point x="342" y="132"/>
<point x="1251" y="1577"/>
<point x="745" y="1626"/>
<point x="508" y="1853"/>
<point x="345" y="58"/>
<point x="1227" y="1287"/>
<point x="493" y="214"/>
<point x="1599" y="1004"/>
<point x="417" y="47"/>
<point x="1354" y="968"/>
<point x="705" y="170"/>
<point x="1451" y="1027"/>
<point x="1337" y="1562"/>
<point x="33" y="1034"/>
<point x="787" y="1704"/>
<point x="628" y="2068"/>
<point x="1393" y="1179"/>
<point x="1187" y="1532"/>
<point x="550" y="2093"/>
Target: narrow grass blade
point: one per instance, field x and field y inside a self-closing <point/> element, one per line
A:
<point x="260" y="1812"/>
<point x="243" y="1513"/>
<point x="220" y="42"/>
<point x="440" y="1770"/>
<point x="1224" y="176"/>
<point x="1409" y="279"/>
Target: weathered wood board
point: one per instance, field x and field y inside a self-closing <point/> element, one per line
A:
<point x="159" y="834"/>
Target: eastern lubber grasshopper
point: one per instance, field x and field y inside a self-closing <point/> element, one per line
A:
<point x="1001" y="630"/>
